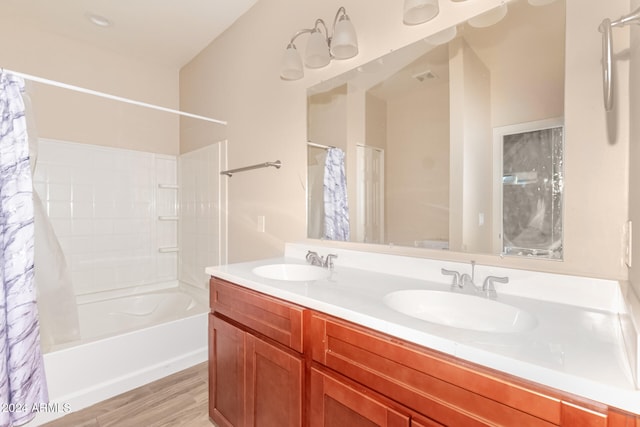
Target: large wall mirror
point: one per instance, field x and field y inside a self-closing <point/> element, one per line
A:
<point x="454" y="142"/>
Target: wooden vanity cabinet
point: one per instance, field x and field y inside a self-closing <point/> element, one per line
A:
<point x="256" y="366"/>
<point x="445" y="389"/>
<point x="273" y="363"/>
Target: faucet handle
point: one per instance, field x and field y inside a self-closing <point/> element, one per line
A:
<point x="313" y="258"/>
<point x="487" y="285"/>
<point x="328" y="261"/>
<point x="455" y="274"/>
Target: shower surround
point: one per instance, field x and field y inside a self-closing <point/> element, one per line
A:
<point x="106" y="206"/>
<point x="136" y="230"/>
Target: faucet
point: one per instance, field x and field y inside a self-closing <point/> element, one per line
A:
<point x="466" y="282"/>
<point x="467" y="279"/>
<point x="462" y="282"/>
<point x="314" y="259"/>
<point x="326" y="262"/>
<point x="488" y="289"/>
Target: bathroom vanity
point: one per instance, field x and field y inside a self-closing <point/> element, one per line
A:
<point x="330" y="351"/>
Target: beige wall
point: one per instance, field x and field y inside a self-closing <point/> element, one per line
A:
<point x="63" y="115"/>
<point x="417" y="165"/>
<point x="237" y="78"/>
<point x="471" y="150"/>
<point x="327" y="113"/>
<point x="634" y="156"/>
<point x="376" y="122"/>
<point x="596" y="172"/>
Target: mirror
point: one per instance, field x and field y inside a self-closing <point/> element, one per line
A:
<point x="425" y="130"/>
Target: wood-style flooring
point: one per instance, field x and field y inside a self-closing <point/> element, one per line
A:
<point x="177" y="400"/>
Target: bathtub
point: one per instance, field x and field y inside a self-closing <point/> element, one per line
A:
<point x="128" y="339"/>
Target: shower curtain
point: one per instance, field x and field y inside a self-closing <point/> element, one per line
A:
<point x="22" y="379"/>
<point x="56" y="297"/>
<point x="336" y="211"/>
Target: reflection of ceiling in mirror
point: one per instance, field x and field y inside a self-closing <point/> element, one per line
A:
<point x="526" y="32"/>
<point x="525" y="29"/>
<point x="432" y="67"/>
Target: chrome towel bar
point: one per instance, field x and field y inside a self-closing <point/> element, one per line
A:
<point x="275" y="164"/>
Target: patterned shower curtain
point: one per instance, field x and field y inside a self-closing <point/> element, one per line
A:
<point x="22" y="380"/>
<point x="336" y="210"/>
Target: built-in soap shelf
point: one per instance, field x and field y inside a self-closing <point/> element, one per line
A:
<point x="170" y="218"/>
<point x="167" y="250"/>
<point x="168" y="186"/>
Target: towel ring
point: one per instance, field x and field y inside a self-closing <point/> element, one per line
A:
<point x="607" y="82"/>
<point x="607" y="55"/>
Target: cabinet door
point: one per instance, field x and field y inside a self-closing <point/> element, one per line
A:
<point x="336" y="404"/>
<point x="226" y="373"/>
<point x="274" y="385"/>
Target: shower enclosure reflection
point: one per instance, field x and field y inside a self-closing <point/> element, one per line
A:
<point x="532" y="182"/>
<point x="429" y="112"/>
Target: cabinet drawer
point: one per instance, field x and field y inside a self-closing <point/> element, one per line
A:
<point x="433" y="384"/>
<point x="333" y="403"/>
<point x="273" y="318"/>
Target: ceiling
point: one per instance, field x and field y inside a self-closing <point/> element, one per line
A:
<point x="167" y="32"/>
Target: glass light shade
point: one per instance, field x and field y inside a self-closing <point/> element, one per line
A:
<point x="317" y="53"/>
<point x="419" y="11"/>
<point x="292" y="68"/>
<point x="442" y="37"/>
<point x="489" y="17"/>
<point x="344" y="43"/>
<point x="540" y="2"/>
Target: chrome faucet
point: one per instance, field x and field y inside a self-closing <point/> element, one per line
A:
<point x="456" y="277"/>
<point x="467" y="279"/>
<point x="466" y="282"/>
<point x="314" y="259"/>
<point x="488" y="289"/>
<point x="326" y="262"/>
<point x="462" y="282"/>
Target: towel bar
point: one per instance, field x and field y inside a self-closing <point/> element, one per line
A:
<point x="275" y="164"/>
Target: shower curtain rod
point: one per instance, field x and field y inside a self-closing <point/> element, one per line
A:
<point x="109" y="96"/>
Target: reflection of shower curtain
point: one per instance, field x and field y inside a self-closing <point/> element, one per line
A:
<point x="22" y="378"/>
<point x="336" y="225"/>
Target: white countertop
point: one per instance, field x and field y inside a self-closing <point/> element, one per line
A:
<point x="575" y="348"/>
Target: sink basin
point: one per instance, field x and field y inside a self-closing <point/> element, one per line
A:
<point x="461" y="311"/>
<point x="291" y="272"/>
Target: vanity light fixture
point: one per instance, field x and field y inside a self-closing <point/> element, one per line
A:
<point x="321" y="47"/>
<point x="490" y="17"/>
<point x="419" y="11"/>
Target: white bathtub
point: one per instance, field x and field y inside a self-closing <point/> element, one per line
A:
<point x="127" y="341"/>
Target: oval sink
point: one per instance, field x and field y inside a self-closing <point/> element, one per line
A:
<point x="291" y="272"/>
<point x="461" y="311"/>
